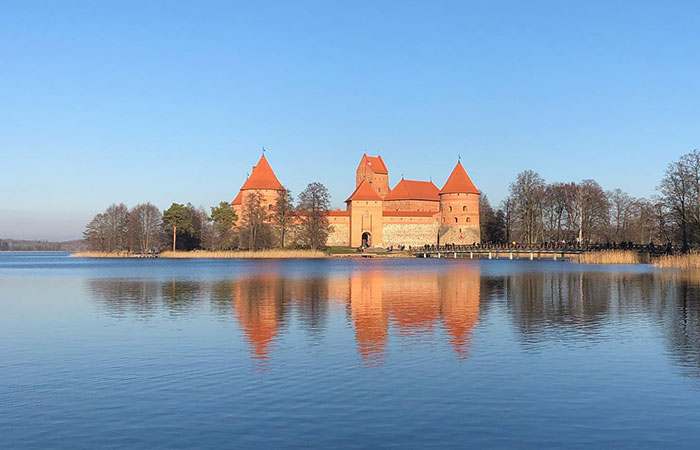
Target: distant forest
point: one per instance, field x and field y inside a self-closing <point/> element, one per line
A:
<point x="39" y="246"/>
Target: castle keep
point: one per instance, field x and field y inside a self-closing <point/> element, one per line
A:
<point x="413" y="213"/>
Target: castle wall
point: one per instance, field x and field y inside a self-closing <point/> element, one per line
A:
<point x="461" y="235"/>
<point x="269" y="198"/>
<point x="340" y="231"/>
<point x="411" y="205"/>
<point x="410" y="233"/>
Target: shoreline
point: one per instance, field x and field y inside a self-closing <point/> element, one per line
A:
<point x="278" y="254"/>
<point x="688" y="262"/>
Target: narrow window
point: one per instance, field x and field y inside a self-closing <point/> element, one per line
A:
<point x="464" y="208"/>
<point x="450" y="209"/>
<point x="469" y="219"/>
<point x="456" y="220"/>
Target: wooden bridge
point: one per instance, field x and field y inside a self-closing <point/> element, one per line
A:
<point x="554" y="252"/>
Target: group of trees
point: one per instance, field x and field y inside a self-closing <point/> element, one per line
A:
<point x="145" y="229"/>
<point x="537" y="211"/>
<point x="282" y="224"/>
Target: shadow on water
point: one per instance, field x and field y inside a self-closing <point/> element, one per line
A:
<point x="572" y="307"/>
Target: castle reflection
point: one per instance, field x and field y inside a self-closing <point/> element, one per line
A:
<point x="384" y="307"/>
<point x="413" y="303"/>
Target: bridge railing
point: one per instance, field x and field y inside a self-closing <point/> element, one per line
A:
<point x="547" y="246"/>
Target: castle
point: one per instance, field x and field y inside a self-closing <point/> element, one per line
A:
<point x="413" y="213"/>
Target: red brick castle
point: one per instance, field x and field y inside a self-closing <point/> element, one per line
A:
<point x="412" y="213"/>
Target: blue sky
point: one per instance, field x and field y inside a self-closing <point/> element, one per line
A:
<point x="172" y="101"/>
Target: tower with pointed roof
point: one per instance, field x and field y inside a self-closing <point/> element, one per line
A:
<point x="262" y="180"/>
<point x="364" y="207"/>
<point x="459" y="208"/>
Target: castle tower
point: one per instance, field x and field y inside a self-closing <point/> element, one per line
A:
<point x="459" y="208"/>
<point x="366" y="219"/>
<point x="263" y="180"/>
<point x="373" y="170"/>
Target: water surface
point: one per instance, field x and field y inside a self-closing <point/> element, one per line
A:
<point x="345" y="353"/>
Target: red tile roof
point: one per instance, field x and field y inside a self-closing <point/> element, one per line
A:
<point x="262" y="177"/>
<point x="239" y="199"/>
<point x="376" y="163"/>
<point x="364" y="192"/>
<point x="459" y="182"/>
<point x="414" y="190"/>
<point x="339" y="213"/>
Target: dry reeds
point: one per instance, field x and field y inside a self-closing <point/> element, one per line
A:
<point x="103" y="255"/>
<point x="279" y="254"/>
<point x="612" y="257"/>
<point x="689" y="261"/>
<point x="245" y="254"/>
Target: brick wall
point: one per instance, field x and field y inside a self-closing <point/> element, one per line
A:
<point x="461" y="235"/>
<point x="340" y="234"/>
<point x="413" y="234"/>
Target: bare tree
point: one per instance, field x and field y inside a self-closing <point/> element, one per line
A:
<point x="621" y="214"/>
<point x="145" y="227"/>
<point x="255" y="228"/>
<point x="677" y="190"/>
<point x="95" y="234"/>
<point x="527" y="193"/>
<point x="117" y="221"/>
<point x="314" y="204"/>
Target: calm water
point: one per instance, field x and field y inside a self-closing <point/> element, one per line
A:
<point x="343" y="353"/>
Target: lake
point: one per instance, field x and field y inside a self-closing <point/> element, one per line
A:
<point x="382" y="353"/>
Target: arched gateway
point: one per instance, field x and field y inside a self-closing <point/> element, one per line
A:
<point x="366" y="239"/>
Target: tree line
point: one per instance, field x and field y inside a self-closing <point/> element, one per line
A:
<point x="145" y="229"/>
<point x="536" y="211"/>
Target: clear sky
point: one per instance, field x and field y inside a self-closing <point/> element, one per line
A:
<point x="172" y="101"/>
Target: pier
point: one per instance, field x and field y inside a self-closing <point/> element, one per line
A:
<point x="532" y="252"/>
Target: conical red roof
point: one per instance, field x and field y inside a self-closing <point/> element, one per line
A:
<point x="239" y="199"/>
<point x="262" y="177"/>
<point x="364" y="192"/>
<point x="459" y="182"/>
<point x="414" y="190"/>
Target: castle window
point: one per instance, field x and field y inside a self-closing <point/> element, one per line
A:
<point x="469" y="219"/>
<point x="456" y="220"/>
<point x="450" y="209"/>
<point x="464" y="208"/>
<point x="270" y="206"/>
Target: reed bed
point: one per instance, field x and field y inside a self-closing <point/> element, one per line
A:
<point x="209" y="254"/>
<point x="103" y="255"/>
<point x="689" y="261"/>
<point x="612" y="257"/>
<point x="246" y="254"/>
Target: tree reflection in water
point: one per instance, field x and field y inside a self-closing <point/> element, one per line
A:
<point x="418" y="307"/>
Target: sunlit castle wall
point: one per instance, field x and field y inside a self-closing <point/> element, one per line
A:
<point x="339" y="222"/>
<point x="410" y="229"/>
<point x="460" y="212"/>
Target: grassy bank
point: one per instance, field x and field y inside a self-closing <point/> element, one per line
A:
<point x="211" y="254"/>
<point x="613" y="257"/>
<point x="691" y="261"/>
